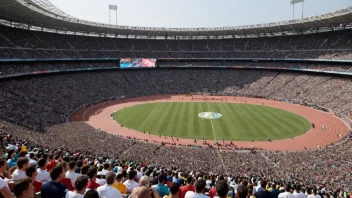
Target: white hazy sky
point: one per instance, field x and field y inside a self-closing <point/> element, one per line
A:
<point x="195" y="13"/>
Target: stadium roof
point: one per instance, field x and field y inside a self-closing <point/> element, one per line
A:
<point x="42" y="15"/>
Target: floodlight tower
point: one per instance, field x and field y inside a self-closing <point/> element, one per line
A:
<point x="293" y="2"/>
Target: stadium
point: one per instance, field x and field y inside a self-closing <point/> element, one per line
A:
<point x="251" y="105"/>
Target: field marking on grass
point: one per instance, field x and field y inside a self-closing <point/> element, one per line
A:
<point x="211" y="121"/>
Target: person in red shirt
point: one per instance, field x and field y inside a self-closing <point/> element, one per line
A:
<point x="51" y="164"/>
<point x="188" y="187"/>
<point x="67" y="181"/>
<point x="92" y="174"/>
<point x="31" y="172"/>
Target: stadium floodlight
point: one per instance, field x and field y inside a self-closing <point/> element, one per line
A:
<point x="296" y="1"/>
<point x="293" y="2"/>
<point x="112" y="7"/>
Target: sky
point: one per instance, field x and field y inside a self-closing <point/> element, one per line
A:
<point x="195" y="13"/>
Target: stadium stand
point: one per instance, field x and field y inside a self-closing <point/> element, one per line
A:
<point x="34" y="110"/>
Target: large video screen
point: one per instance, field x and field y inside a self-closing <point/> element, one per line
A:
<point x="137" y="63"/>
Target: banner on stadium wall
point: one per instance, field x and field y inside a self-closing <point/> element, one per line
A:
<point x="137" y="63"/>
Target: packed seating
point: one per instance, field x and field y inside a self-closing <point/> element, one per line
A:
<point x="48" y="100"/>
<point x="327" y="169"/>
<point x="41" y="145"/>
<point x="19" y="43"/>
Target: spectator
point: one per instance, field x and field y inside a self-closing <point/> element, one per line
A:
<point x="275" y="193"/>
<point x="23" y="188"/>
<point x="200" y="187"/>
<point x="174" y="191"/>
<point x="53" y="188"/>
<point x="71" y="171"/>
<point x="119" y="185"/>
<point x="161" y="187"/>
<point x="91" y="194"/>
<point x="20" y="172"/>
<point x="66" y="181"/>
<point x="32" y="173"/>
<point x="43" y="175"/>
<point x="297" y="193"/>
<point x="263" y="192"/>
<point x="81" y="183"/>
<point x="131" y="183"/>
<point x="242" y="191"/>
<point x="52" y="163"/>
<point x="32" y="159"/>
<point x="10" y="158"/>
<point x="287" y="193"/>
<point x="108" y="190"/>
<point x="4" y="188"/>
<point x="188" y="187"/>
<point x="84" y="170"/>
<point x="92" y="174"/>
<point x="222" y="189"/>
<point x="79" y="166"/>
<point x="142" y="191"/>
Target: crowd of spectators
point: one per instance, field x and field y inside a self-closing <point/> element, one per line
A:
<point x="89" y="156"/>
<point x="39" y="102"/>
<point x="60" y="159"/>
<point x="19" y="43"/>
<point x="28" y="67"/>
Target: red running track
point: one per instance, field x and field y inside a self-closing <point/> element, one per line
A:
<point x="98" y="116"/>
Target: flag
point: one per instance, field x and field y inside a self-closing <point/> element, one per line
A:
<point x="112" y="7"/>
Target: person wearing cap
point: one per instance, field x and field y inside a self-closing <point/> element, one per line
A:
<point x="119" y="185"/>
<point x="188" y="187"/>
<point x="160" y="187"/>
<point x="287" y="193"/>
<point x="200" y="188"/>
<point x="263" y="193"/>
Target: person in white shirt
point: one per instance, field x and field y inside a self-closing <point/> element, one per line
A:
<point x="43" y="175"/>
<point x="139" y="174"/>
<point x="81" y="186"/>
<point x="108" y="190"/>
<point x="287" y="193"/>
<point x="32" y="160"/>
<point x="4" y="187"/>
<point x="107" y="168"/>
<point x="131" y="183"/>
<point x="312" y="193"/>
<point x="20" y="173"/>
<point x="297" y="193"/>
<point x="200" y="187"/>
<point x="71" y="172"/>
